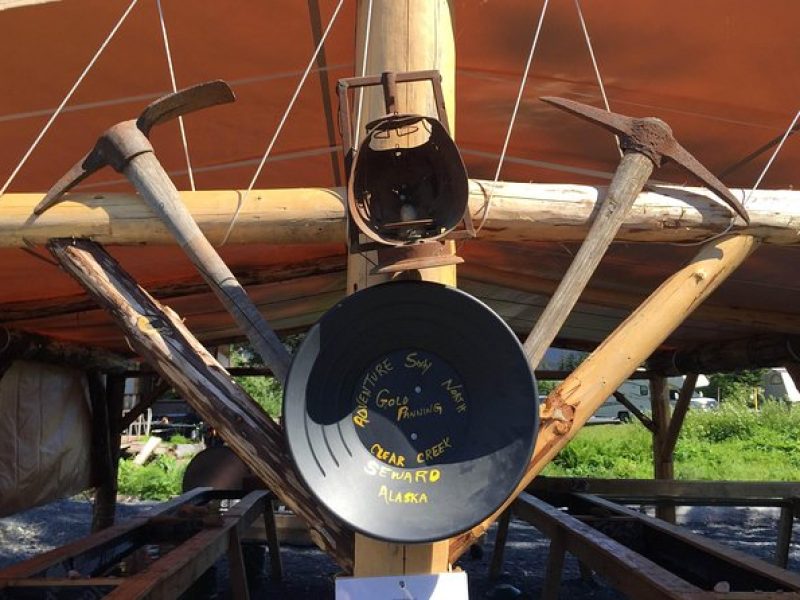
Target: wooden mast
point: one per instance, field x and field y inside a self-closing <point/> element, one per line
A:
<point x="404" y="35"/>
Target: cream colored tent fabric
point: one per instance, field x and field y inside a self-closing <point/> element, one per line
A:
<point x="45" y="435"/>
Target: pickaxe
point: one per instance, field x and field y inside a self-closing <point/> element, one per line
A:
<point x="127" y="149"/>
<point x="645" y="142"/>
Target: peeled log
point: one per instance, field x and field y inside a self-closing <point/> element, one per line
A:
<point x="520" y="212"/>
<point x="158" y="334"/>
<point x="578" y="397"/>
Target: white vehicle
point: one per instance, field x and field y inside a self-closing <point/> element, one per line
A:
<point x="777" y="383"/>
<point x="637" y="391"/>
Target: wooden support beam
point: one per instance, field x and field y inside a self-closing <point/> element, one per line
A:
<point x="663" y="467"/>
<point x="730" y="355"/>
<point x="784" y="541"/>
<point x="23" y="345"/>
<point x="403" y="36"/>
<point x="84" y="554"/>
<point x="629" y="572"/>
<point x="159" y="335"/>
<point x="106" y="399"/>
<point x="496" y="566"/>
<point x="555" y="565"/>
<point x="643" y="418"/>
<point x="707" y="561"/>
<point x="678" y="415"/>
<point x="571" y="404"/>
<point x="521" y="212"/>
<point x="273" y="544"/>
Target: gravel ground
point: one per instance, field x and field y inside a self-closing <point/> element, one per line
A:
<point x="309" y="574"/>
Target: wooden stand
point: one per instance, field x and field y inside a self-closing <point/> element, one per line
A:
<point x="404" y="36"/>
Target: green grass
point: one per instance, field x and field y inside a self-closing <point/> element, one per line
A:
<point x="160" y="479"/>
<point x="731" y="443"/>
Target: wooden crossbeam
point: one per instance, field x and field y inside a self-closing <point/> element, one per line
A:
<point x="521" y="212"/>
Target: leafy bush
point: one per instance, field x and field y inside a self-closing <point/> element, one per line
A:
<point x="179" y="439"/>
<point x="266" y="391"/>
<point x="733" y="443"/>
<point x="160" y="479"/>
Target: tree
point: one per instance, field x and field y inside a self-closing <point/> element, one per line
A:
<point x="737" y="386"/>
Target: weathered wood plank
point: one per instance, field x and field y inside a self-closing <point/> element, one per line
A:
<point x="629" y="572"/>
<point x="158" y="334"/>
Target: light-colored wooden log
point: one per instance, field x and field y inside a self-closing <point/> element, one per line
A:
<point x="571" y="404"/>
<point x="404" y="36"/>
<point x="158" y="335"/>
<point x="521" y="212"/>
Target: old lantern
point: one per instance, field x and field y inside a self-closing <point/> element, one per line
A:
<point x="407" y="189"/>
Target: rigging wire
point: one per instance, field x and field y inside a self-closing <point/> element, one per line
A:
<point x="282" y="122"/>
<point x="362" y="74"/>
<point x="488" y="201"/>
<point x="594" y="65"/>
<point x="175" y="89"/>
<point x="760" y="178"/>
<point x="66" y="99"/>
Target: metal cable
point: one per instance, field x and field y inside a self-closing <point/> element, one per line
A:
<point x="175" y="89"/>
<point x="282" y="122"/>
<point x="67" y="97"/>
<point x="488" y="201"/>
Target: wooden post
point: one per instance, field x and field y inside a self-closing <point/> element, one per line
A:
<point x="236" y="568"/>
<point x="496" y="566"/>
<point x="679" y="414"/>
<point x="571" y="404"/>
<point x="784" y="541"/>
<point x="159" y="335"/>
<point x="555" y="565"/>
<point x="107" y="413"/>
<point x="662" y="463"/>
<point x="406" y="35"/>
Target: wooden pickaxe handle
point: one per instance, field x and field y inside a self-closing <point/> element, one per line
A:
<point x="161" y="195"/>
<point x="646" y="142"/>
<point x="633" y="172"/>
<point x="126" y="148"/>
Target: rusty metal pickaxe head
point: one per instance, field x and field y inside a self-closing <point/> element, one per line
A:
<point x="653" y="138"/>
<point x="121" y="143"/>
